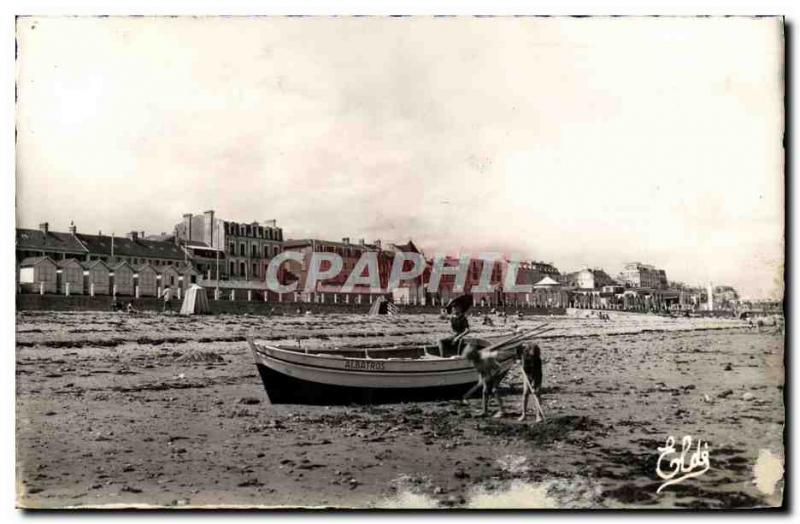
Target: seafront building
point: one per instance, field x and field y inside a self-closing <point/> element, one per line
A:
<point x="545" y="290"/>
<point x="638" y="275"/>
<point x="132" y="248"/>
<point x="74" y="256"/>
<point x="329" y="290"/>
<point x="231" y="258"/>
<point x="228" y="250"/>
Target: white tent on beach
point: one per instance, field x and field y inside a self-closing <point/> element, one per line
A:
<point x="195" y="302"/>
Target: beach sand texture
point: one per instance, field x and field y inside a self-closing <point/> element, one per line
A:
<point x="117" y="410"/>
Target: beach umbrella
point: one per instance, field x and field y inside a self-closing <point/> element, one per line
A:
<point x="463" y="301"/>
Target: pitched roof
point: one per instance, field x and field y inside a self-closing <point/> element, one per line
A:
<point x="140" y="267"/>
<point x="125" y="247"/>
<point x="32" y="261"/>
<point x="302" y="242"/>
<point x="408" y="247"/>
<point x="546" y="281"/>
<point x="67" y="262"/>
<point x="34" y="239"/>
<point x="119" y="265"/>
<point x="88" y="264"/>
<point x="183" y="268"/>
<point x="166" y="237"/>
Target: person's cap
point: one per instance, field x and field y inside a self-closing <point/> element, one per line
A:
<point x="463" y="302"/>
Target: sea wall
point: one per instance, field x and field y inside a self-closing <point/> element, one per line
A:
<point x="35" y="302"/>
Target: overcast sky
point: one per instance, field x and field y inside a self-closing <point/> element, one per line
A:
<point x="584" y="142"/>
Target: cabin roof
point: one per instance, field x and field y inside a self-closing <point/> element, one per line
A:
<point x="126" y="247"/>
<point x="68" y="262"/>
<point x="34" y="239"/>
<point x="32" y="261"/>
<point x="121" y="264"/>
<point x="88" y="264"/>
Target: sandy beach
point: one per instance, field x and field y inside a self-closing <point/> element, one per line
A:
<point x="166" y="410"/>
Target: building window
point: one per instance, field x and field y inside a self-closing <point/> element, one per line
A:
<point x="242" y="269"/>
<point x="233" y="248"/>
<point x="242" y="250"/>
<point x="266" y="251"/>
<point x="233" y="268"/>
<point x="254" y="251"/>
<point x="255" y="271"/>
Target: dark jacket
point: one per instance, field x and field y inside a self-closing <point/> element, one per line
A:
<point x="459" y="323"/>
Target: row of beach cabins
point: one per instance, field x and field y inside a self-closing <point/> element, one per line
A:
<point x="44" y="275"/>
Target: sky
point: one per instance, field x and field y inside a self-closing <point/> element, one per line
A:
<point x="586" y="142"/>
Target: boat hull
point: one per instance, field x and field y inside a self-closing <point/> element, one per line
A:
<point x="292" y="377"/>
<point x="285" y="389"/>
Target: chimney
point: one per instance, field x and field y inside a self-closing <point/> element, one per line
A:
<point x="141" y="234"/>
<point x="360" y="241"/>
<point x="208" y="227"/>
<point x="133" y="235"/>
<point x="377" y="244"/>
<point x="187" y="220"/>
<point x="346" y="240"/>
<point x="44" y="227"/>
<point x="271" y="223"/>
<point x="72" y="228"/>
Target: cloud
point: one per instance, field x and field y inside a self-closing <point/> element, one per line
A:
<point x="580" y="141"/>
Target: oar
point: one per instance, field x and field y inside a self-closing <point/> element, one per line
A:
<point x="507" y="344"/>
<point x="510" y="345"/>
<point x="512" y="340"/>
<point x="515" y="334"/>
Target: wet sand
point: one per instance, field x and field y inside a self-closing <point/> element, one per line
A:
<point x="165" y="410"/>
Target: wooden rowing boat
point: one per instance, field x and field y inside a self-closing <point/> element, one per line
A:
<point x="363" y="376"/>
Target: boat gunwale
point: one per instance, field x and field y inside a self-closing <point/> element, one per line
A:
<point x="332" y="354"/>
<point x="376" y="372"/>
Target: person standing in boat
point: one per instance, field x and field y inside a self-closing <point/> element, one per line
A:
<point x="457" y="308"/>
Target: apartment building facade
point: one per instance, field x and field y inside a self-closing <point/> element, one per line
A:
<point x="638" y="275"/>
<point x="229" y="250"/>
<point x="350" y="253"/>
